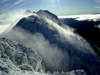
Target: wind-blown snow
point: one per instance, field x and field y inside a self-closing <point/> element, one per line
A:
<point x="10" y="20"/>
<point x="3" y="28"/>
<point x="10" y="66"/>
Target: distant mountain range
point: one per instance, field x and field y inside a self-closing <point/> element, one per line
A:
<point x="58" y="46"/>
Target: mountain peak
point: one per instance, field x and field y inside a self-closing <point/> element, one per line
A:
<point x="42" y="10"/>
<point x="46" y="13"/>
<point x="27" y="12"/>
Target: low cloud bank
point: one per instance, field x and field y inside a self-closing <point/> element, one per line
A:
<point x="93" y="17"/>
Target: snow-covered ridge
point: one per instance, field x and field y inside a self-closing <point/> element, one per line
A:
<point x="17" y="59"/>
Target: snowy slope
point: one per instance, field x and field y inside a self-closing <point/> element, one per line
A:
<point x="56" y="43"/>
<point x="15" y="59"/>
<point x="20" y="55"/>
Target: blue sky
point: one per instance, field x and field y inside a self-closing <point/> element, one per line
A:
<point x="58" y="7"/>
<point x="10" y="10"/>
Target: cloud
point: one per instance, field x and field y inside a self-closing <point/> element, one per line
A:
<point x="53" y="57"/>
<point x="60" y="29"/>
<point x="10" y="19"/>
<point x="3" y="28"/>
<point x="93" y="17"/>
<point x="50" y="53"/>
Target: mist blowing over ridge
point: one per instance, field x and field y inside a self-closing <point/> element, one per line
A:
<point x="59" y="47"/>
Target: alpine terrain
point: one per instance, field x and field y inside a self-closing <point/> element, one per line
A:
<point x="44" y="43"/>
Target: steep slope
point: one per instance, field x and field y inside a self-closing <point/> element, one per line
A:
<point x="89" y="29"/>
<point x="17" y="59"/>
<point x="59" y="47"/>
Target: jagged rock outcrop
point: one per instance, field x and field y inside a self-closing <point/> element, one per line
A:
<point x="20" y="55"/>
<point x="17" y="59"/>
